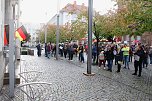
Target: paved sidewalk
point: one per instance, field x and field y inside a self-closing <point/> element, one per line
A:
<point x="69" y="83"/>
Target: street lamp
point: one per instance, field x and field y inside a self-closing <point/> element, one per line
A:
<point x="46" y="30"/>
<point x="57" y="31"/>
<point x="11" y="64"/>
<point x="89" y="58"/>
<point x="46" y="33"/>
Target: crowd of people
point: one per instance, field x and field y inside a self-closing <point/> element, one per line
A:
<point x="110" y="54"/>
<point x="66" y="50"/>
<point x="122" y="54"/>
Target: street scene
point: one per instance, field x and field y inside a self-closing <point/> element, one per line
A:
<point x="69" y="84"/>
<point x="76" y="50"/>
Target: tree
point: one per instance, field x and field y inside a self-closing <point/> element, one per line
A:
<point x="78" y="28"/>
<point x="137" y="15"/>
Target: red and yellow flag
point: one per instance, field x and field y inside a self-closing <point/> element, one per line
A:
<point x="6" y="35"/>
<point x="21" y="33"/>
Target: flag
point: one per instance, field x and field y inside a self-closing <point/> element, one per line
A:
<point x="21" y="33"/>
<point x="6" y="35"/>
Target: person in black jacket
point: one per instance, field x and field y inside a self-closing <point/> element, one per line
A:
<point x="119" y="59"/>
<point x="109" y="57"/>
<point x="38" y="50"/>
<point x="138" y="63"/>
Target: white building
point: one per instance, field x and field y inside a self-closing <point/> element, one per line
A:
<point x="68" y="14"/>
<point x="31" y="29"/>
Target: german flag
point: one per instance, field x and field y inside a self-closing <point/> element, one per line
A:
<point x="6" y="35"/>
<point x="21" y="33"/>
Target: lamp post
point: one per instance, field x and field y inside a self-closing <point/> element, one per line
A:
<point x="89" y="58"/>
<point x="46" y="31"/>
<point x="18" y="43"/>
<point x="11" y="65"/>
<point x="57" y="32"/>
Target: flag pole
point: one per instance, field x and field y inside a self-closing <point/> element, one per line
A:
<point x="57" y="31"/>
<point x="89" y="58"/>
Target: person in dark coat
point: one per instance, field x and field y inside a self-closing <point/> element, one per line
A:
<point x="81" y="55"/>
<point x="65" y="50"/>
<point x="120" y="60"/>
<point x="138" y="62"/>
<point x="71" y="52"/>
<point x="46" y="55"/>
<point x="94" y="52"/>
<point x="109" y="57"/>
<point x="38" y="50"/>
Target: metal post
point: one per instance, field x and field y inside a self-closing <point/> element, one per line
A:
<point x="18" y="43"/>
<point x="11" y="64"/>
<point x="89" y="58"/>
<point x="39" y="37"/>
<point x="46" y="33"/>
<point x="57" y="38"/>
<point x="18" y="15"/>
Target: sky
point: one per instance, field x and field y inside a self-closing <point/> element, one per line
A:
<point x="41" y="11"/>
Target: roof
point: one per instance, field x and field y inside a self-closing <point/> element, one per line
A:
<point x="73" y="8"/>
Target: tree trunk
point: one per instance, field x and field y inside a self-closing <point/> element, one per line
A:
<point x="130" y="40"/>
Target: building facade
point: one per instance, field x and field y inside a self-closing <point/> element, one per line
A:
<point x="147" y="38"/>
<point x="68" y="14"/>
<point x="2" y="59"/>
<point x="31" y="29"/>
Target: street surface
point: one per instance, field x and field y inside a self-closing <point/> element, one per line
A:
<point x="69" y="83"/>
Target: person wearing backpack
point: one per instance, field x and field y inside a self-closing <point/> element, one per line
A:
<point x="102" y="59"/>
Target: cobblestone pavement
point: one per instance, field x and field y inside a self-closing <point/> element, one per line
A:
<point x="69" y="83"/>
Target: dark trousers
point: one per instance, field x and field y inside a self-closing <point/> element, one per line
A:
<point x="39" y="52"/>
<point x="110" y="63"/>
<point x="145" y="62"/>
<point x="81" y="57"/>
<point x="61" y="52"/>
<point x="70" y="55"/>
<point x="118" y="67"/>
<point x="101" y="62"/>
<point x="150" y="59"/>
<point x="65" y="54"/>
<point x="116" y="60"/>
<point x="138" y="64"/>
<point x="94" y="57"/>
<point x="130" y="58"/>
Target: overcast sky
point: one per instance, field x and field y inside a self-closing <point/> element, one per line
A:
<point x="40" y="11"/>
